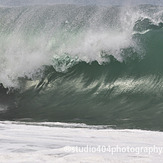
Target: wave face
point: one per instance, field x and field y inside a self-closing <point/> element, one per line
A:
<point x="91" y="64"/>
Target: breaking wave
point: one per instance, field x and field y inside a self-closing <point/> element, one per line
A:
<point x="91" y="64"/>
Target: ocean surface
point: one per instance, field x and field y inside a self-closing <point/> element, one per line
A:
<point x="53" y="143"/>
<point x="92" y="65"/>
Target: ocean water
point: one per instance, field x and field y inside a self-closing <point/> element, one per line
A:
<point x="51" y="142"/>
<point x="96" y="64"/>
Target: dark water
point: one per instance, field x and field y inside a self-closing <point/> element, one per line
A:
<point x="89" y="64"/>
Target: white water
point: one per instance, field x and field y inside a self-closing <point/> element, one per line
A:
<point x="45" y="142"/>
<point x="35" y="36"/>
<point x="83" y="2"/>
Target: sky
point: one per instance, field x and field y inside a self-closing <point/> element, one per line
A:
<point x="82" y="2"/>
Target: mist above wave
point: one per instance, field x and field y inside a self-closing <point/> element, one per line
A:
<point x="60" y="35"/>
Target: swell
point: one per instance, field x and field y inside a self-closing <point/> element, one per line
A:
<point x="87" y="68"/>
<point x="46" y="35"/>
<point x="125" y="95"/>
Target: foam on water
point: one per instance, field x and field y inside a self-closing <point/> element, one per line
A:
<point x="32" y="37"/>
<point x="45" y="142"/>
